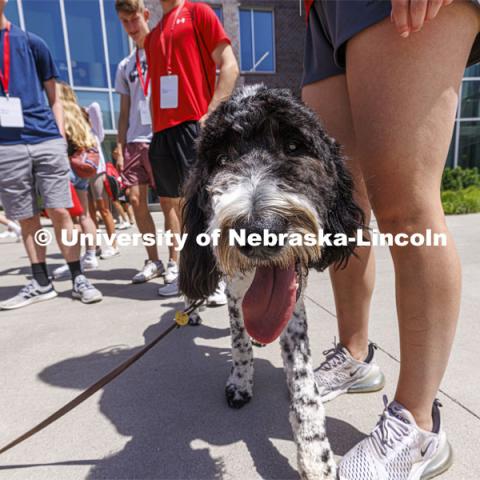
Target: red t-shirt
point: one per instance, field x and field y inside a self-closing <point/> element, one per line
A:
<point x="191" y="60"/>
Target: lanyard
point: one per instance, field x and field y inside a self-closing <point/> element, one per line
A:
<point x="5" y="76"/>
<point x="167" y="52"/>
<point x="144" y="81"/>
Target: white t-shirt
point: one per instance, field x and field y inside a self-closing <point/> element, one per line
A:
<point x="96" y="120"/>
<point x="127" y="82"/>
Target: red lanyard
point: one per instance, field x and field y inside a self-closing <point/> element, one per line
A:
<point x="168" y="53"/>
<point x="5" y="76"/>
<point x="144" y="81"/>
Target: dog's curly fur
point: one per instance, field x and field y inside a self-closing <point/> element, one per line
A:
<point x="265" y="161"/>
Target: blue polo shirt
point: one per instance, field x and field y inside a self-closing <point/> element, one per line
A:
<point x="31" y="64"/>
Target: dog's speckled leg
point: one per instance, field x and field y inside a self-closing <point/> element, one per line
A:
<point x="307" y="415"/>
<point x="239" y="386"/>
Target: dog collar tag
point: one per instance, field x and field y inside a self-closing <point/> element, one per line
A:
<point x="181" y="318"/>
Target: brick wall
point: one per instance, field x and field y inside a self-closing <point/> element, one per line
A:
<point x="289" y="38"/>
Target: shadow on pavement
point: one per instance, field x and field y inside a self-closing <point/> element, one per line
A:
<point x="171" y="403"/>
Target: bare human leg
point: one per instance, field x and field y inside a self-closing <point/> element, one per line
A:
<point x="352" y="286"/>
<point x="403" y="96"/>
<point x="171" y="210"/>
<point x="138" y="199"/>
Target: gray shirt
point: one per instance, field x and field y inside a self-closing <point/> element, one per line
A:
<point x="127" y="82"/>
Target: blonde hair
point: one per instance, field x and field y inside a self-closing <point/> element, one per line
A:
<point x="77" y="129"/>
<point x="129" y="6"/>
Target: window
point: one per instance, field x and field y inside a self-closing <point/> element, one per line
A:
<point x="86" y="43"/>
<point x="257" y="44"/>
<point x="43" y="18"/>
<point x="116" y="108"/>
<point x="85" y="98"/>
<point x="118" y="47"/>
<point x="11" y="12"/>
<point x="469" y="144"/>
<point x="470" y="103"/>
<point x="218" y="12"/>
<point x="473" y="71"/>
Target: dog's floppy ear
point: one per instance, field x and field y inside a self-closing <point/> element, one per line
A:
<point x="343" y="215"/>
<point x="198" y="276"/>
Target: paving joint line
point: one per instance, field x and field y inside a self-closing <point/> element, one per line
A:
<point x="443" y="392"/>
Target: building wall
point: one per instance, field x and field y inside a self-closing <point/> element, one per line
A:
<point x="289" y="44"/>
<point x="88" y="55"/>
<point x="289" y="32"/>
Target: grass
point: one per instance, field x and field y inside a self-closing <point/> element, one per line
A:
<point x="456" y="202"/>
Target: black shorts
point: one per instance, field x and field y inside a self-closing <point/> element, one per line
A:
<point x="172" y="154"/>
<point x="331" y="24"/>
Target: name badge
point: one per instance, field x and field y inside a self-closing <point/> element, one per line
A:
<point x="145" y="116"/>
<point x="169" y="91"/>
<point x="11" y="113"/>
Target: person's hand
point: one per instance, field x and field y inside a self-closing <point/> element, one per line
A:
<point x="409" y="16"/>
<point x="120" y="162"/>
<point x="203" y="120"/>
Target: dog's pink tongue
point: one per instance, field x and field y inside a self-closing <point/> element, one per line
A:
<point x="269" y="302"/>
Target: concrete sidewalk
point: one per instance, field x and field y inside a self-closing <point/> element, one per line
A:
<point x="166" y="417"/>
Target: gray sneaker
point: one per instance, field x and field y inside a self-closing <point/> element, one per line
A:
<point x="32" y="292"/>
<point x="397" y="449"/>
<point x="341" y="373"/>
<point x="171" y="272"/>
<point x="150" y="270"/>
<point x="84" y="291"/>
<point x="169" y="290"/>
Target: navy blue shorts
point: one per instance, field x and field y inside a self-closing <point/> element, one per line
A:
<point x="332" y="23"/>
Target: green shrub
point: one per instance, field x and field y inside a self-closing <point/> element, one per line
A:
<point x="460" y="178"/>
<point x="461" y="201"/>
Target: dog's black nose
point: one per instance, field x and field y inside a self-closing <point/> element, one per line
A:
<point x="269" y="230"/>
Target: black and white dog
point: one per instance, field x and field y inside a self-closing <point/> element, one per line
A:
<point x="265" y="163"/>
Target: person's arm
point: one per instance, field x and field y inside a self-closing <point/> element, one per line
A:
<point x="227" y="65"/>
<point x="95" y="115"/>
<point x="122" y="129"/>
<point x="51" y="89"/>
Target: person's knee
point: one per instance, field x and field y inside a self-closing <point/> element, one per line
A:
<point x="407" y="218"/>
<point x="135" y="201"/>
<point x="168" y="203"/>
<point x="102" y="207"/>
<point x="58" y="214"/>
<point x="29" y="224"/>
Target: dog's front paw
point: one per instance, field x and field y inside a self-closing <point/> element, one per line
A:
<point x="236" y="398"/>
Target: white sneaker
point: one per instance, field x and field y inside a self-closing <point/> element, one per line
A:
<point x="171" y="273"/>
<point x="150" y="270"/>
<point x="398" y="449"/>
<point x="169" y="290"/>
<point x="7" y="234"/>
<point x="123" y="226"/>
<point x="109" y="252"/>
<point x="84" y="291"/>
<point x="341" y="373"/>
<point x="219" y="297"/>
<point x="61" y="272"/>
<point x="32" y="292"/>
<point x="88" y="262"/>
